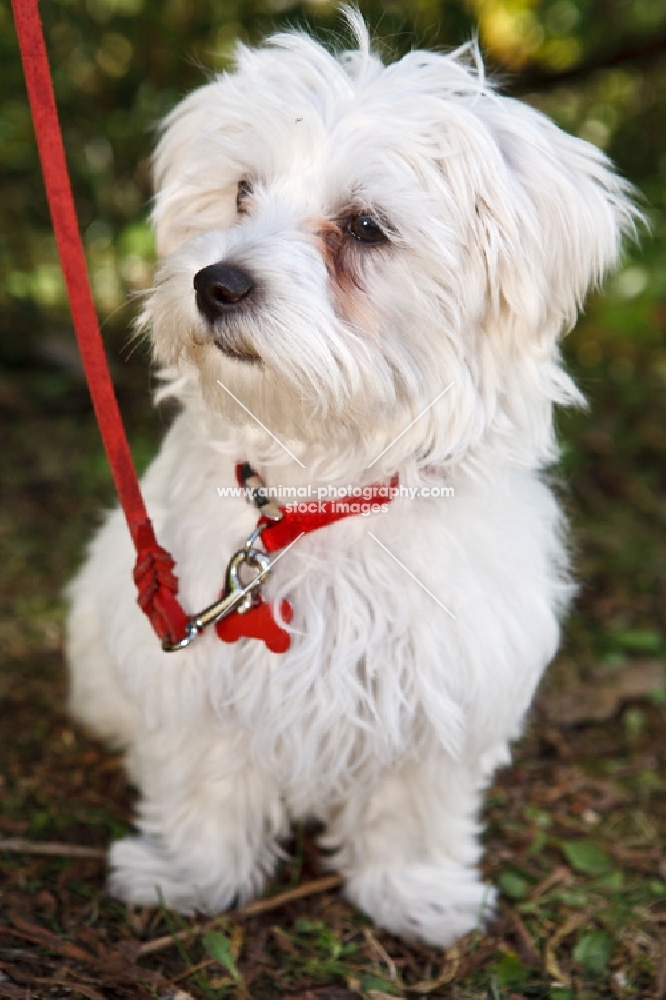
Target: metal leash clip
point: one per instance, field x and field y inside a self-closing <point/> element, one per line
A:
<point x="238" y="596"/>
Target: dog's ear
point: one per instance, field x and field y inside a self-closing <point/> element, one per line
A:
<point x="550" y="219"/>
<point x="188" y="197"/>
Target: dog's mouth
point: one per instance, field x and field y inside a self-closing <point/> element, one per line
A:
<point x="247" y="355"/>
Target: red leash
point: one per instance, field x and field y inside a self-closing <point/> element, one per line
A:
<point x="154" y="566"/>
<point x="153" y="573"/>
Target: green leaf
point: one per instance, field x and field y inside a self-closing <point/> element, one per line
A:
<point x="538" y="816"/>
<point x="634" y="720"/>
<point x="593" y="950"/>
<point x="513" y="885"/>
<point x="219" y="947"/>
<point x="639" y="640"/>
<point x="510" y="971"/>
<point x="580" y="897"/>
<point x="40" y="821"/>
<point x="305" y="926"/>
<point x="377" y="984"/>
<point x="587" y="857"/>
<point x="615" y="880"/>
<point x="539" y="841"/>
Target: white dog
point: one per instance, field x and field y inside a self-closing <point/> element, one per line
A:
<point x="340" y="242"/>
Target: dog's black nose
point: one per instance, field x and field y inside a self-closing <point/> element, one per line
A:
<point x="219" y="288"/>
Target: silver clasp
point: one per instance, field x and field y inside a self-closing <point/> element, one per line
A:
<point x="238" y="596"/>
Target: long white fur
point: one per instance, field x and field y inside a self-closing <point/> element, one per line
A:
<point x="387" y="717"/>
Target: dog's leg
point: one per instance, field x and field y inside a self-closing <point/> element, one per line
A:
<point x="210" y="826"/>
<point x="409" y="852"/>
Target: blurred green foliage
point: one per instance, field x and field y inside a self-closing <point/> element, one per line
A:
<point x="597" y="66"/>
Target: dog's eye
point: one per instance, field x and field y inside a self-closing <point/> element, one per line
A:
<point x="366" y="229"/>
<point x="244" y="191"/>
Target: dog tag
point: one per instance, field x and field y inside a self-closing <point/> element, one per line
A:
<point x="257" y="623"/>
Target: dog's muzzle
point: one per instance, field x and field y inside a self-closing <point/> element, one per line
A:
<point x="222" y="290"/>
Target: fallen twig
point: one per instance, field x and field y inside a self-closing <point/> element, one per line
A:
<point x="251" y="910"/>
<point x="273" y="902"/>
<point x="16" y="845"/>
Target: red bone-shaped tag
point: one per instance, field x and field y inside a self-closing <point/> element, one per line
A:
<point x="258" y="623"/>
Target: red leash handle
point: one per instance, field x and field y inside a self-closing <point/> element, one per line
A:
<point x="153" y="574"/>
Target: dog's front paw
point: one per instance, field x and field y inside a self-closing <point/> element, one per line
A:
<point x="143" y="874"/>
<point x="434" y="903"/>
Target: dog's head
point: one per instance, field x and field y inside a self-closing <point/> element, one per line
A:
<point x="340" y="240"/>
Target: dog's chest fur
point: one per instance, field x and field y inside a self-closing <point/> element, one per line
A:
<point x="377" y="664"/>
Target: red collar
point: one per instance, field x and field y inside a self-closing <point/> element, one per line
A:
<point x="281" y="526"/>
<point x="309" y="515"/>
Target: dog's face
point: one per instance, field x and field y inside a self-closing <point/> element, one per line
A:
<point x="341" y="240"/>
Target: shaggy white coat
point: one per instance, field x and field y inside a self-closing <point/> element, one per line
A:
<point x="387" y="717"/>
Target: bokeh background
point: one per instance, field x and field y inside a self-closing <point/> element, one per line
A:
<point x="597" y="66"/>
<point x="577" y="827"/>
